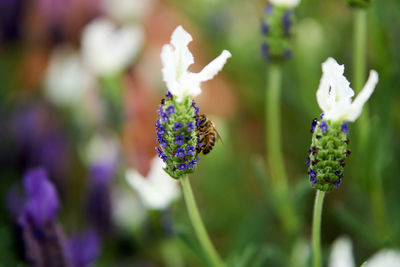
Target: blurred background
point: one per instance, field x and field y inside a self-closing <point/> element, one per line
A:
<point x="80" y="83"/>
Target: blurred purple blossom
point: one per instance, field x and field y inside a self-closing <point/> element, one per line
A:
<point x="43" y="238"/>
<point x="39" y="140"/>
<point x="84" y="248"/>
<point x="42" y="201"/>
<point x="99" y="197"/>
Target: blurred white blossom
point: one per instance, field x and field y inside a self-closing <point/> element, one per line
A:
<point x="106" y="49"/>
<point x="342" y="256"/>
<point x="126" y="11"/>
<point x="285" y="3"/>
<point x="176" y="59"/>
<point x="158" y="189"/>
<point x="334" y="94"/>
<point x="128" y="213"/>
<point x="66" y="80"/>
<point x="102" y="148"/>
<point x="384" y="258"/>
<point x="342" y="253"/>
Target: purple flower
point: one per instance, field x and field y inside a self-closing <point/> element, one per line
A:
<point x="190" y="150"/>
<point x="313" y="174"/>
<point x="308" y="161"/>
<point x="180" y="152"/>
<point x="164" y="117"/>
<point x="344" y="127"/>
<point x="161" y="130"/>
<point x="161" y="140"/>
<point x="191" y="164"/>
<point x="196" y="110"/>
<point x="182" y="166"/>
<point x="158" y="124"/>
<point x="179" y="139"/>
<point x="84" y="248"/>
<point x="189" y="126"/>
<point x="168" y="95"/>
<point x="160" y="110"/>
<point x="313" y="125"/>
<point x="178" y="127"/>
<point x="322" y="115"/>
<point x="268" y="9"/>
<point x="98" y="202"/>
<point x="102" y="172"/>
<point x="264" y="28"/>
<point x="170" y="110"/>
<point x="164" y="158"/>
<point x="286" y="21"/>
<point x="42" y="200"/>
<point x="323" y="126"/>
<point x="159" y="152"/>
<point x="337" y="182"/>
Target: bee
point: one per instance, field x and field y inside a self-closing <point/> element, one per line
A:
<point x="206" y="134"/>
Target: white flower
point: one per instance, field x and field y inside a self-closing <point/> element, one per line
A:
<point x="342" y="256"/>
<point x="285" y="3"/>
<point x="158" y="189"/>
<point x="384" y="258"/>
<point x="66" y="80"/>
<point x="107" y="49"/>
<point x="125" y="11"/>
<point x="342" y="253"/>
<point x="334" y="94"/>
<point x="102" y="148"/>
<point x="176" y="58"/>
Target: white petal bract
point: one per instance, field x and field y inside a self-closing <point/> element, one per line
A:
<point x="285" y="3"/>
<point x="334" y="94"/>
<point x="176" y="59"/>
<point x="158" y="189"/>
<point x="107" y="49"/>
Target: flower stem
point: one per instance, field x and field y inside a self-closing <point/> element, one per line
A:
<point x="198" y="225"/>
<point x="359" y="67"/>
<point x="274" y="151"/>
<point x="316" y="228"/>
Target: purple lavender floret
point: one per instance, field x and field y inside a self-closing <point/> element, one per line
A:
<point x="42" y="200"/>
<point x="164" y="117"/>
<point x="179" y="139"/>
<point x="182" y="166"/>
<point x="323" y="126"/>
<point x="189" y="126"/>
<point x="170" y="110"/>
<point x="344" y="127"/>
<point x="191" y="164"/>
<point x="84" y="248"/>
<point x="178" y="127"/>
<point x="180" y="153"/>
<point x="190" y="150"/>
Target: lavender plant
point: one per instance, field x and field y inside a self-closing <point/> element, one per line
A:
<point x="329" y="142"/>
<point x="176" y="126"/>
<point x="276" y="29"/>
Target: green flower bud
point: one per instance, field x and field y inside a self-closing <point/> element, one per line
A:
<point x="276" y="29"/>
<point x="359" y="3"/>
<point x="327" y="154"/>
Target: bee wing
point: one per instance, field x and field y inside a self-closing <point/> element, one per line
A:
<point x="218" y="136"/>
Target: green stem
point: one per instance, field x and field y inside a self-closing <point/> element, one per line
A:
<point x="198" y="225"/>
<point x="316" y="228"/>
<point x="359" y="67"/>
<point x="274" y="151"/>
